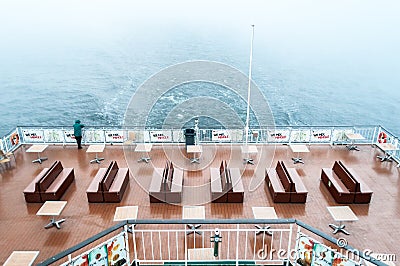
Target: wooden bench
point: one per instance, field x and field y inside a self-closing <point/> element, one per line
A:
<point x="50" y="184"/>
<point x="345" y="185"/>
<point x="166" y="184"/>
<point x="226" y="184"/>
<point x="364" y="193"/>
<point x="300" y="192"/>
<point x="109" y="184"/>
<point x="285" y="185"/>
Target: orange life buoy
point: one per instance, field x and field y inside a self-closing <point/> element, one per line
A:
<point x="382" y="138"/>
<point x="14" y="139"/>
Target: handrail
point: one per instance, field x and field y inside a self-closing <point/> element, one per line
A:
<point x="120" y="225"/>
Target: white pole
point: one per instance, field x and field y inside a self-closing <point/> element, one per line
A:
<point x="249" y="87"/>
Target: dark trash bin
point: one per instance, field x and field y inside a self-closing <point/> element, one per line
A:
<point x="189" y="135"/>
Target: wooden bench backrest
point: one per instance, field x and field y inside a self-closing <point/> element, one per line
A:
<point x="346" y="178"/>
<point x="169" y="176"/>
<point x="283" y="175"/>
<point x="225" y="174"/>
<point x="109" y="176"/>
<point x="37" y="184"/>
<point x="50" y="176"/>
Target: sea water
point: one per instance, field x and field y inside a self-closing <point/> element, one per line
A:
<point x="316" y="64"/>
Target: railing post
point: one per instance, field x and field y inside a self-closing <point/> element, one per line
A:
<point x="216" y="239"/>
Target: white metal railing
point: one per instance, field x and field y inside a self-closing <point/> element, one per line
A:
<point x="275" y="135"/>
<point x="168" y="241"/>
<point x="238" y="244"/>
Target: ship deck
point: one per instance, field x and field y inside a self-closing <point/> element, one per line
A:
<point x="377" y="229"/>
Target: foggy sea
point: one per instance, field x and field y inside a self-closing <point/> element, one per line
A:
<point x="315" y="63"/>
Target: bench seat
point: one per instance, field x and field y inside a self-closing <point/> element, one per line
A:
<point x="175" y="195"/>
<point x="50" y="184"/>
<point x="59" y="185"/>
<point x="156" y="196"/>
<point x="118" y="186"/>
<point x="236" y="195"/>
<point x="93" y="193"/>
<point x="335" y="186"/>
<point x="365" y="193"/>
<point x="275" y="187"/>
<point x="108" y="185"/>
<point x="299" y="195"/>
<point x="217" y="196"/>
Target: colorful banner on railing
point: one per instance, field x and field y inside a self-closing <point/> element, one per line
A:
<point x="93" y="136"/>
<point x="113" y="252"/>
<point x="300" y="135"/>
<point x="33" y="135"/>
<point x="116" y="136"/>
<point x="339" y="135"/>
<point x="278" y="135"/>
<point x="53" y="135"/>
<point x="220" y="135"/>
<point x="321" y="135"/>
<point x="313" y="253"/>
<point x="14" y="139"/>
<point x="160" y="136"/>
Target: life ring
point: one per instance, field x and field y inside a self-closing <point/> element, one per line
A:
<point x="14" y="139"/>
<point x="382" y="138"/>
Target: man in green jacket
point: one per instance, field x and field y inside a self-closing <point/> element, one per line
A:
<point x="78" y="132"/>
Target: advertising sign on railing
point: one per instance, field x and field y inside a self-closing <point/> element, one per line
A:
<point x="53" y="135"/>
<point x="111" y="253"/>
<point x="220" y="135"/>
<point x="300" y="135"/>
<point x="339" y="135"/>
<point x="161" y="135"/>
<point x="14" y="139"/>
<point x="94" y="136"/>
<point x="33" y="135"/>
<point x="311" y="252"/>
<point x="114" y="136"/>
<point x="278" y="135"/>
<point x="69" y="136"/>
<point x="321" y="135"/>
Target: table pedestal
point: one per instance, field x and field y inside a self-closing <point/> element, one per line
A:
<point x="55" y="223"/>
<point x="384" y="158"/>
<point x="263" y="229"/>
<point x="144" y="159"/>
<point x="39" y="159"/>
<point x="248" y="161"/>
<point x="352" y="147"/>
<point x="193" y="229"/>
<point x="297" y="159"/>
<point x="96" y="159"/>
<point x="339" y="228"/>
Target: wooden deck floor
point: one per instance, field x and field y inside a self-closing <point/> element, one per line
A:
<point x="377" y="229"/>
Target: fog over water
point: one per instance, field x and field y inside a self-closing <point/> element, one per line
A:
<point x="316" y="62"/>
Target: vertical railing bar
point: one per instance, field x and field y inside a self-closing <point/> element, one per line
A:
<point x="280" y="241"/>
<point x="272" y="242"/>
<point x="289" y="242"/>
<point x="177" y="245"/>
<point x="169" y="250"/>
<point x="185" y="250"/>
<point x="143" y="247"/>
<point x="134" y="243"/>
<point x="152" y="247"/>
<point x="255" y="242"/>
<point x="237" y="244"/>
<point x="228" y="251"/>
<point x="127" y="241"/>
<point x="159" y="238"/>
<point x="245" y="246"/>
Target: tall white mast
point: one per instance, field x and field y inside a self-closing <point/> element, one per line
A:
<point x="249" y="88"/>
